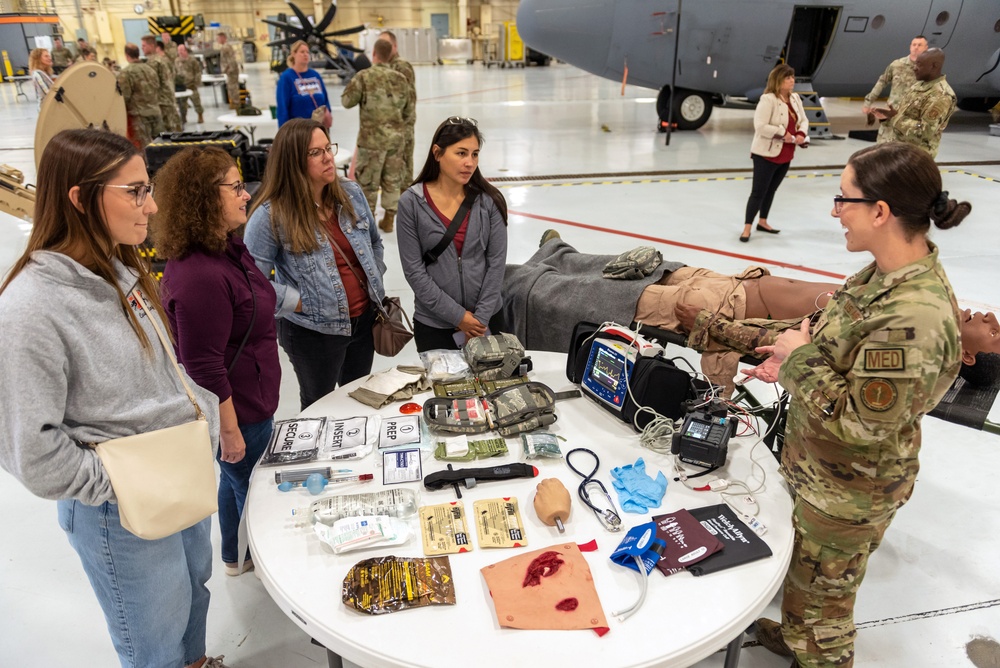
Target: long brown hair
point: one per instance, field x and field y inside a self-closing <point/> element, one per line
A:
<point x="88" y="159"/>
<point x="453" y="130"/>
<point x="777" y="77"/>
<point x="190" y="202"/>
<point x="294" y="217"/>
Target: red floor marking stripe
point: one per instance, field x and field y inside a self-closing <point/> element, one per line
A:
<point x="679" y="244"/>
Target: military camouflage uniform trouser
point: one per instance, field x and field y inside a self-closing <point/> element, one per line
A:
<point x="383" y="167"/>
<point x="408" y="175"/>
<point x="829" y="560"/>
<point x="182" y="103"/>
<point x="233" y="88"/>
<point x="171" y="119"/>
<point x="142" y="129"/>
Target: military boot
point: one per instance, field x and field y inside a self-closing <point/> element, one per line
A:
<point x="769" y="636"/>
<point x="201" y="118"/>
<point x="387" y="220"/>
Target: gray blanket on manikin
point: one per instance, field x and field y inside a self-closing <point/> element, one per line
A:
<point x="559" y="287"/>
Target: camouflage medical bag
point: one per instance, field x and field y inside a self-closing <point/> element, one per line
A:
<point x="634" y="264"/>
<point x="509" y="411"/>
<point x="492" y="357"/>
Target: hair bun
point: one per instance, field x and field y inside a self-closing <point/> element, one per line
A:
<point x="940" y="205"/>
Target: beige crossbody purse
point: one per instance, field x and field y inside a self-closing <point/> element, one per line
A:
<point x="164" y="479"/>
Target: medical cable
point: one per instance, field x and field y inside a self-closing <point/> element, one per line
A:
<point x="658" y="433"/>
<point x="625" y="613"/>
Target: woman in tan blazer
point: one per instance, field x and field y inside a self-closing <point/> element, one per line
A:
<point x="780" y="125"/>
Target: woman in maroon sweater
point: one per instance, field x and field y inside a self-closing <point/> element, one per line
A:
<point x="220" y="308"/>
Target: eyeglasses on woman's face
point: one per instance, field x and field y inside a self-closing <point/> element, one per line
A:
<point x="839" y="201"/>
<point x="461" y="120"/>
<point x="315" y="153"/>
<point x="238" y="187"/>
<point x="139" y="191"/>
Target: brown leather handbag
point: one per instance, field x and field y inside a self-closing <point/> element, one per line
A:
<point x="391" y="335"/>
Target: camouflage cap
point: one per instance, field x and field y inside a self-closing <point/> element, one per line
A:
<point x="634" y="264"/>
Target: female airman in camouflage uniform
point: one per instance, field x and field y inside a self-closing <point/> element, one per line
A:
<point x="880" y="356"/>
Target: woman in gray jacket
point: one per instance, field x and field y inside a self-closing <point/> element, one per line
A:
<point x="82" y="364"/>
<point x="457" y="294"/>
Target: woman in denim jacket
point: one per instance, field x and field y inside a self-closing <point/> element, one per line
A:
<point x="305" y="220"/>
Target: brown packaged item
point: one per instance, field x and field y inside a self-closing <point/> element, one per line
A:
<point x="389" y="584"/>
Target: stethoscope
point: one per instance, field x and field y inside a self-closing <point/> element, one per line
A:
<point x="608" y="515"/>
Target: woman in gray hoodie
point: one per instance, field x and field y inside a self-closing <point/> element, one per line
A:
<point x="82" y="364"/>
<point x="457" y="293"/>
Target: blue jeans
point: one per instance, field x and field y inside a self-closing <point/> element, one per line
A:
<point x="234" y="482"/>
<point x="152" y="592"/>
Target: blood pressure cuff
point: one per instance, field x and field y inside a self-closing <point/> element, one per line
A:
<point x="656" y="382"/>
<point x="509" y="411"/>
<point x="493" y="357"/>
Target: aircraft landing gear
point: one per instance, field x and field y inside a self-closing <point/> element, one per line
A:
<point x="691" y="108"/>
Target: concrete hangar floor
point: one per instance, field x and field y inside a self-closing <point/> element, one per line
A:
<point x="571" y="153"/>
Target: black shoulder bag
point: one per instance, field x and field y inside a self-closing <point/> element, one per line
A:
<point x="431" y="256"/>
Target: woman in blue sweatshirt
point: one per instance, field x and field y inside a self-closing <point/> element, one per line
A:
<point x="457" y="296"/>
<point x="301" y="91"/>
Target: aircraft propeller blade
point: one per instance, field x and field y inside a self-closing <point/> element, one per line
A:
<point x="306" y="25"/>
<point x="279" y="24"/>
<point x="328" y="17"/>
<point x="345" y="31"/>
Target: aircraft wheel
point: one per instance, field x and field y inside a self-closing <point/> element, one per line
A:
<point x="692" y="109"/>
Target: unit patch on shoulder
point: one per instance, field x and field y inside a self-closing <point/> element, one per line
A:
<point x="879" y="394"/>
<point x="885" y="359"/>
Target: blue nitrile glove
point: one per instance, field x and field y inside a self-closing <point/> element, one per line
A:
<point x="637" y="492"/>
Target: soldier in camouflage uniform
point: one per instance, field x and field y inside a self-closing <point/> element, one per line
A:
<point x="387" y="107"/>
<point x="231" y="68"/>
<point x="924" y="110"/>
<point x="189" y="74"/>
<point x="140" y="90"/>
<point x="861" y="376"/>
<point x="899" y="75"/>
<point x="165" y="74"/>
<point x="61" y="56"/>
<point x="169" y="48"/>
<point x="406" y="69"/>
